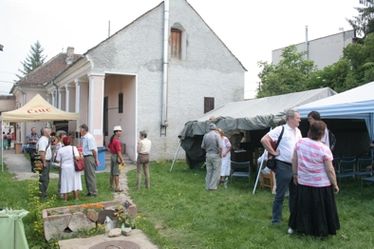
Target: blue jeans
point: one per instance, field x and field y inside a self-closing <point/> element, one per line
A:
<point x="283" y="177"/>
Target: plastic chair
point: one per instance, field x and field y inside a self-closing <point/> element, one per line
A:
<point x="240" y="169"/>
<point x="369" y="180"/>
<point x="346" y="167"/>
<point x="364" y="166"/>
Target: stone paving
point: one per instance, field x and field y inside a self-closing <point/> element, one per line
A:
<point x="19" y="165"/>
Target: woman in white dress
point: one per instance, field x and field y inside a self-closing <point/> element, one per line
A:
<point x="226" y="156"/>
<point x="70" y="179"/>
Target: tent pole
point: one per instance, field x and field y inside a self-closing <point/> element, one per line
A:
<point x="2" y="148"/>
<point x="264" y="155"/>
<point x="259" y="171"/>
<point x="175" y="156"/>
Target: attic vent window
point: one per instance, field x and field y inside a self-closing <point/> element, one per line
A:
<point x="176" y="43"/>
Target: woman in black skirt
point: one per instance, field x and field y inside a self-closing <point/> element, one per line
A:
<point x="314" y="211"/>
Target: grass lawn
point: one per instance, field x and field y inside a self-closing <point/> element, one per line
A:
<point x="23" y="195"/>
<point x="178" y="213"/>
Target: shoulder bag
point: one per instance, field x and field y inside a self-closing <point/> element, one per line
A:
<point x="270" y="163"/>
<point x="78" y="163"/>
<point x="38" y="163"/>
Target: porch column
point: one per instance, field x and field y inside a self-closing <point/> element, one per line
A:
<point x="67" y="96"/>
<point x="95" y="106"/>
<point x="77" y="100"/>
<point x="53" y="98"/>
<point x="59" y="98"/>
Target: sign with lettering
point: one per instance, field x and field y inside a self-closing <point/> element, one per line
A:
<point x="39" y="110"/>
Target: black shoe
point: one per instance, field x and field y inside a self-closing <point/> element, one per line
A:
<point x="88" y="194"/>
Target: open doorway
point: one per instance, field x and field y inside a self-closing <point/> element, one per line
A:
<point x="120" y="109"/>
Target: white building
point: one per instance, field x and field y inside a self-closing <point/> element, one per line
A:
<point x="322" y="51"/>
<point x="165" y="68"/>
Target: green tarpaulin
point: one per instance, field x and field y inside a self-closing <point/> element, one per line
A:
<point x="248" y="115"/>
<point x="12" y="232"/>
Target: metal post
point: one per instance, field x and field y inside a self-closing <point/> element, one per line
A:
<point x="175" y="156"/>
<point x="264" y="155"/>
<point x="2" y="147"/>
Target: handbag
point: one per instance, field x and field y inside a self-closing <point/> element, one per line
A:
<point x="38" y="163"/>
<point x="78" y="163"/>
<point x="271" y="163"/>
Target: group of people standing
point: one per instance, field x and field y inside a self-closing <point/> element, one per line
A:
<point x="304" y="167"/>
<point x="7" y="139"/>
<point x="58" y="149"/>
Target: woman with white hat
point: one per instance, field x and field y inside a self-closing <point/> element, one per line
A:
<point x="115" y="147"/>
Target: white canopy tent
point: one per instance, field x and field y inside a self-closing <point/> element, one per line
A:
<point x="36" y="109"/>
<point x="356" y="103"/>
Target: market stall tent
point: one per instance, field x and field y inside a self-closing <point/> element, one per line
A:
<point x="356" y="103"/>
<point x="36" y="109"/>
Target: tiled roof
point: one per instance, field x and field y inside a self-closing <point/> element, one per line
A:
<point x="48" y="71"/>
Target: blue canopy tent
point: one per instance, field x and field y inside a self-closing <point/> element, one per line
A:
<point x="356" y="103"/>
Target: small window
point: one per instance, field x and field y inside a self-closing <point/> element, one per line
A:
<point x="120" y="103"/>
<point x="176" y="43"/>
<point x="208" y="104"/>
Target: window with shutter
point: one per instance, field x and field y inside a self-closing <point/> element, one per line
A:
<point x="175" y="43"/>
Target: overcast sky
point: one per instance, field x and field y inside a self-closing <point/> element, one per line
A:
<point x="250" y="29"/>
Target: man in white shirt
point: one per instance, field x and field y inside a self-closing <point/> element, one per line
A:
<point x="44" y="148"/>
<point x="283" y="155"/>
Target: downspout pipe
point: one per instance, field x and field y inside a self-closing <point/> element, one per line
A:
<point x="164" y="118"/>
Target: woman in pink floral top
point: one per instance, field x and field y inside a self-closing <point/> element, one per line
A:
<point x="314" y="211"/>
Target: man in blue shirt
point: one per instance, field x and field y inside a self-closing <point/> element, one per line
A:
<point x="91" y="161"/>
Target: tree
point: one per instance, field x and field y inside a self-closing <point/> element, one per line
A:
<point x="34" y="60"/>
<point x="355" y="68"/>
<point x="364" y="22"/>
<point x="334" y="76"/>
<point x="291" y="74"/>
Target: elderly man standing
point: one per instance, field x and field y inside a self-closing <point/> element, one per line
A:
<point x="143" y="149"/>
<point x="31" y="140"/>
<point x="44" y="148"/>
<point x="213" y="147"/>
<point x="91" y="160"/>
<point x="283" y="156"/>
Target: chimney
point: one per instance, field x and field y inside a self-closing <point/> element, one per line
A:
<point x="69" y="55"/>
